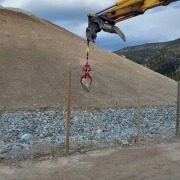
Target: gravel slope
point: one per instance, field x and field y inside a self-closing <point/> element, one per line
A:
<point x="36" y="56"/>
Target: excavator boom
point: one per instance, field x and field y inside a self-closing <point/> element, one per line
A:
<point x="106" y="19"/>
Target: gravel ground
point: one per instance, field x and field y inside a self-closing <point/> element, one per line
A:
<point x="21" y="131"/>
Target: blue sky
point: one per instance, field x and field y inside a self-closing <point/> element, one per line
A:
<point x="156" y="25"/>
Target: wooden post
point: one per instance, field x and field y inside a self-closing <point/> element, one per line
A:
<point x="68" y="114"/>
<point x="178" y="109"/>
<point x="138" y="115"/>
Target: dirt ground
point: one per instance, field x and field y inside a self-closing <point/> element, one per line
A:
<point x="160" y="161"/>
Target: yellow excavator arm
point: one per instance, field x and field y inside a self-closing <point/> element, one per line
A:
<point x="106" y="19"/>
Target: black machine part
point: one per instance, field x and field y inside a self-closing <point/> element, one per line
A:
<point x="97" y="23"/>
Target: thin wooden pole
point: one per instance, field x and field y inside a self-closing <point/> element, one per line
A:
<point x="178" y="109"/>
<point x="138" y="114"/>
<point x="68" y="114"/>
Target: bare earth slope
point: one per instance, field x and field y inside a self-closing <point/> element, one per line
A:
<point x="36" y="56"/>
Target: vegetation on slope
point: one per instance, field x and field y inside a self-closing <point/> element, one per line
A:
<point x="163" y="58"/>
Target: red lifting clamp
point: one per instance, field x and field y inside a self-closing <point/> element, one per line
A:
<point x="86" y="79"/>
<point x="86" y="75"/>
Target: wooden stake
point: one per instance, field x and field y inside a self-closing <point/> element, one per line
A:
<point x="68" y="114"/>
<point x="138" y="115"/>
<point x="178" y="109"/>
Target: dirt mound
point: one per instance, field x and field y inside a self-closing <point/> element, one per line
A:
<point x="36" y="56"/>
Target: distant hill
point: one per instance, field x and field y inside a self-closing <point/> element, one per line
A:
<point x="163" y="58"/>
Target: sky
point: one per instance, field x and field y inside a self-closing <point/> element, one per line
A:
<point x="156" y="25"/>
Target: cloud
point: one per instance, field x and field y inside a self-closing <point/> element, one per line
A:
<point x="76" y="28"/>
<point x="12" y="3"/>
<point x="58" y="9"/>
<point x="69" y="14"/>
<point x="162" y="25"/>
<point x="158" y="24"/>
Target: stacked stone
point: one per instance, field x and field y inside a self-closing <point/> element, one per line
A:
<point x="24" y="130"/>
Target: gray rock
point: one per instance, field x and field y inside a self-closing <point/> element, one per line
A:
<point x="124" y="142"/>
<point x="26" y="137"/>
<point x="2" y="143"/>
<point x="2" y="157"/>
<point x="3" y="150"/>
<point x="26" y="146"/>
<point x="15" y="147"/>
<point x="99" y="131"/>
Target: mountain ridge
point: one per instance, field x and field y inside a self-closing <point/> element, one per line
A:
<point x="161" y="57"/>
